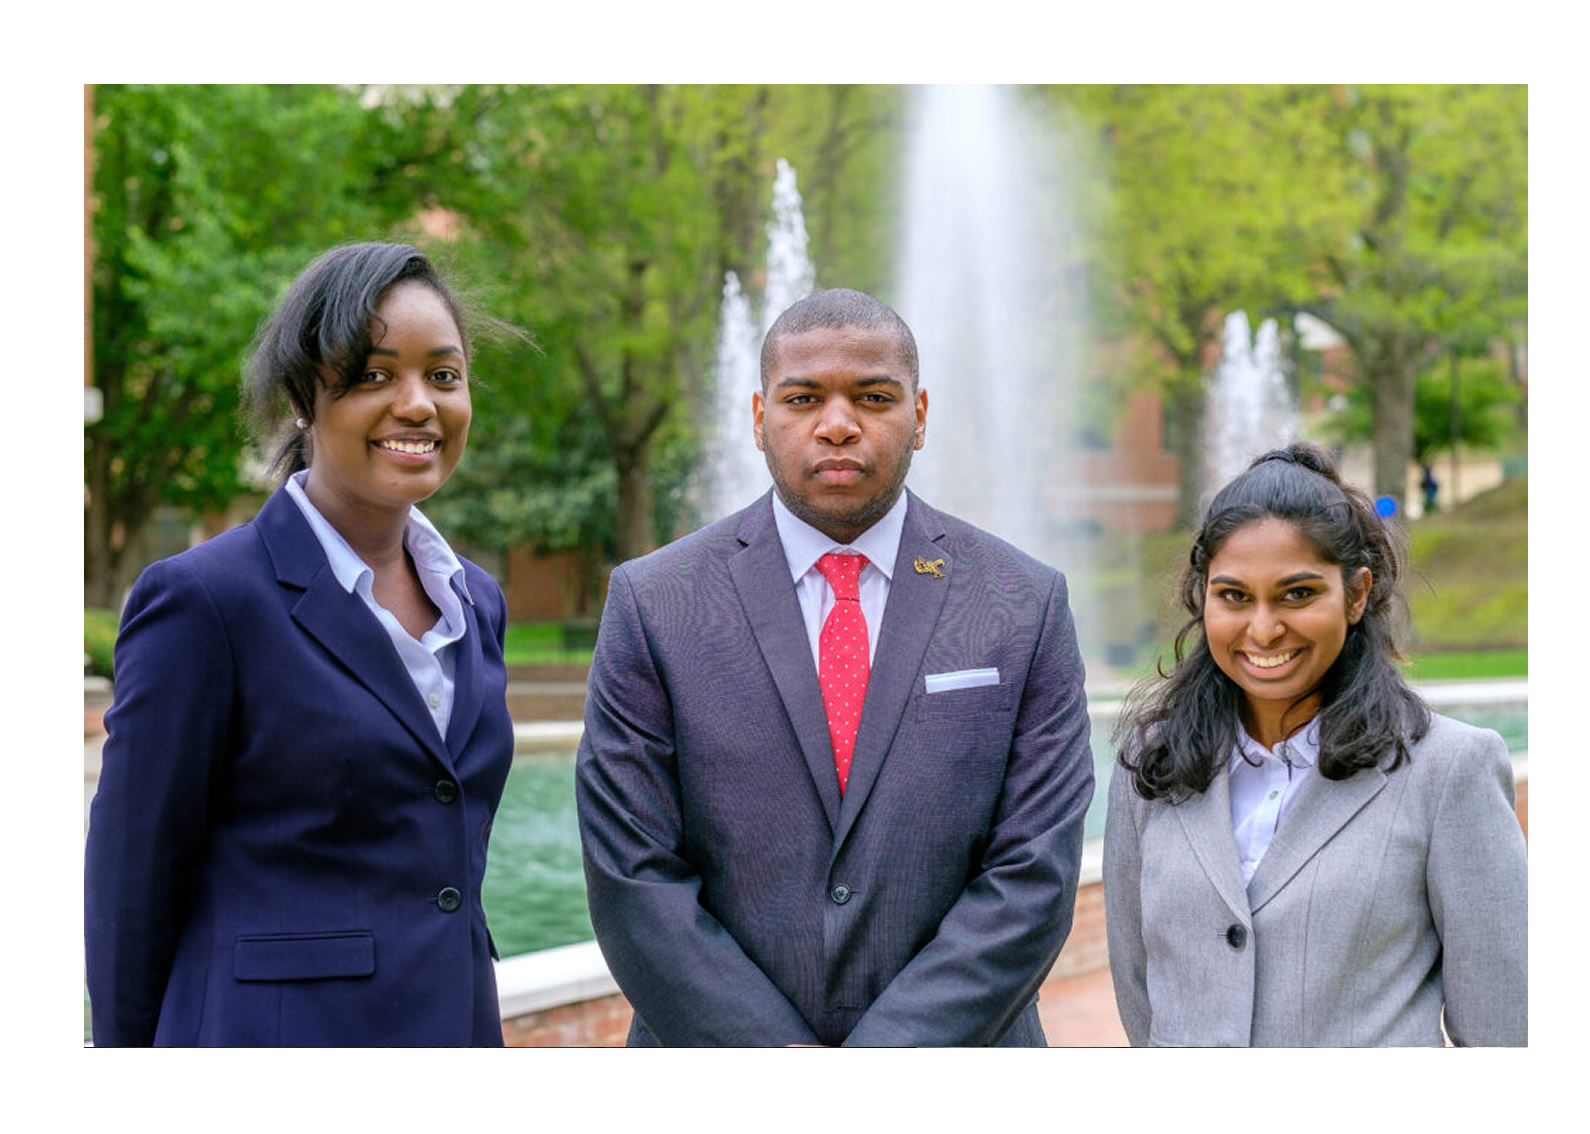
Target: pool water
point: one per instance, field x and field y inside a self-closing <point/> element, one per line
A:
<point x="535" y="886"/>
<point x="534" y="891"/>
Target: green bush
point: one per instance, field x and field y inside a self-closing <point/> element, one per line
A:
<point x="99" y="639"/>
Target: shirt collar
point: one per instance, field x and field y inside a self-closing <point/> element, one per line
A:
<point x="431" y="554"/>
<point x="804" y="545"/>
<point x="1302" y="748"/>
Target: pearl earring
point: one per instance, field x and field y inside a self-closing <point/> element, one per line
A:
<point x="300" y="423"/>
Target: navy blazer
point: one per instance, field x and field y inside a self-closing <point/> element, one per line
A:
<point x="737" y="897"/>
<point x="282" y="849"/>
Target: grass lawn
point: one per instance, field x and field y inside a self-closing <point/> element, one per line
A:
<point x="1467" y="586"/>
<point x="1481" y="665"/>
<point x="540" y="643"/>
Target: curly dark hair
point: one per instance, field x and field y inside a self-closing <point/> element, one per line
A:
<point x="1176" y="731"/>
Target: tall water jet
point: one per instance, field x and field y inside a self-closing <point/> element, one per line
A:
<point x="733" y="472"/>
<point x="790" y="274"/>
<point x="1249" y="408"/>
<point x="984" y="284"/>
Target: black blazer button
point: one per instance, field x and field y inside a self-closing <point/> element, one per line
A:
<point x="449" y="899"/>
<point x="1237" y="936"/>
<point x="445" y="791"/>
<point x="840" y="894"/>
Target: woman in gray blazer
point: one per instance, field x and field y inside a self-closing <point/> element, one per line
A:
<point x="1298" y="851"/>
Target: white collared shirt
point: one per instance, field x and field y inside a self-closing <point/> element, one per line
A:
<point x="804" y="545"/>
<point x="1261" y="793"/>
<point x="430" y="664"/>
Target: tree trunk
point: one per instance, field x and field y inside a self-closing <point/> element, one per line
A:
<point x="1391" y="379"/>
<point x="1187" y="405"/>
<point x="633" y="530"/>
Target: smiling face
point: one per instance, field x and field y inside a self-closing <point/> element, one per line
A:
<point x="394" y="438"/>
<point x="1276" y="617"/>
<point x="839" y="417"/>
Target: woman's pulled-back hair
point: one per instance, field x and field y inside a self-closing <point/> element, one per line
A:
<point x="1176" y="733"/>
<point x="320" y="335"/>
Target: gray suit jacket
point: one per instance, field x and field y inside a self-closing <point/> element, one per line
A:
<point x="1383" y="899"/>
<point x="737" y="898"/>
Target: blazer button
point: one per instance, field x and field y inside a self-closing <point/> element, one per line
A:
<point x="1237" y="936"/>
<point x="445" y="791"/>
<point x="449" y="899"/>
<point x="840" y="894"/>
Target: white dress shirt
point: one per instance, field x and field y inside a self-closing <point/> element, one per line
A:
<point x="430" y="664"/>
<point x="1263" y="785"/>
<point x="804" y="545"/>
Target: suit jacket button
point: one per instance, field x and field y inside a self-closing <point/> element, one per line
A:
<point x="445" y="791"/>
<point x="1237" y="936"/>
<point x="449" y="899"/>
<point x="840" y="894"/>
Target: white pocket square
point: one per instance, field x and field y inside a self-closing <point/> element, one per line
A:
<point x="961" y="679"/>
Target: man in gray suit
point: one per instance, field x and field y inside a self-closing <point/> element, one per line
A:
<point x="835" y="762"/>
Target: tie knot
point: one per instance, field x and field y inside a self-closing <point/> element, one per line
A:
<point x="843" y="573"/>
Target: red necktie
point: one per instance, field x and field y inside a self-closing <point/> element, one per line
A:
<point x="842" y="665"/>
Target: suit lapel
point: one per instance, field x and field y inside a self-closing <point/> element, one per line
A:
<point x="909" y="618"/>
<point x="767" y="595"/>
<point x="1322" y="807"/>
<point x="1206" y="820"/>
<point x="467" y="677"/>
<point x="340" y="621"/>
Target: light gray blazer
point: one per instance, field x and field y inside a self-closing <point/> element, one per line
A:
<point x="1383" y="898"/>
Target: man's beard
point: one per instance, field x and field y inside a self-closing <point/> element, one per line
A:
<point x="865" y="514"/>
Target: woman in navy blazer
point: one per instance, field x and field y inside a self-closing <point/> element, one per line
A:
<point x="1298" y="852"/>
<point x="309" y="734"/>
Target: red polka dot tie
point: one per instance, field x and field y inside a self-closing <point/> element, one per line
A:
<point x="842" y="665"/>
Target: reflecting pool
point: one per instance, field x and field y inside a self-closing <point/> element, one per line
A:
<point x="535" y="885"/>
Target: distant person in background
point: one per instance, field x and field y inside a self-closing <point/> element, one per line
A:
<point x="1429" y="485"/>
<point x="309" y="735"/>
<point x="1299" y="852"/>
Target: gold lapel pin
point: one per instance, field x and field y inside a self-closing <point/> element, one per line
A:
<point x="923" y="567"/>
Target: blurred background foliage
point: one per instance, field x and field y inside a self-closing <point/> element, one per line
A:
<point x="600" y="221"/>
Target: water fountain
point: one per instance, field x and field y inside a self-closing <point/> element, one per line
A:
<point x="985" y="283"/>
<point x="1250" y="410"/>
<point x="790" y="274"/>
<point x="734" y="472"/>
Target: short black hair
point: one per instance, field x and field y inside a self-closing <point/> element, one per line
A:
<point x="320" y="335"/>
<point x="834" y="309"/>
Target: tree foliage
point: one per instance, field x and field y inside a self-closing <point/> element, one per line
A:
<point x="207" y="201"/>
<point x="1219" y="199"/>
<point x="606" y="218"/>
<point x="599" y="218"/>
<point x="1463" y="403"/>
<point x="602" y="219"/>
<point x="1437" y="253"/>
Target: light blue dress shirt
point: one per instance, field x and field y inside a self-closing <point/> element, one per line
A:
<point x="1263" y="786"/>
<point x="430" y="664"/>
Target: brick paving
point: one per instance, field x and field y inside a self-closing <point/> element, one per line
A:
<point x="1079" y="1011"/>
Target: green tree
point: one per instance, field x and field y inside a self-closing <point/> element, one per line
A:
<point x="1464" y="403"/>
<point x="1437" y="254"/>
<point x="1220" y="198"/>
<point x="207" y="201"/>
<point x="604" y="219"/>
